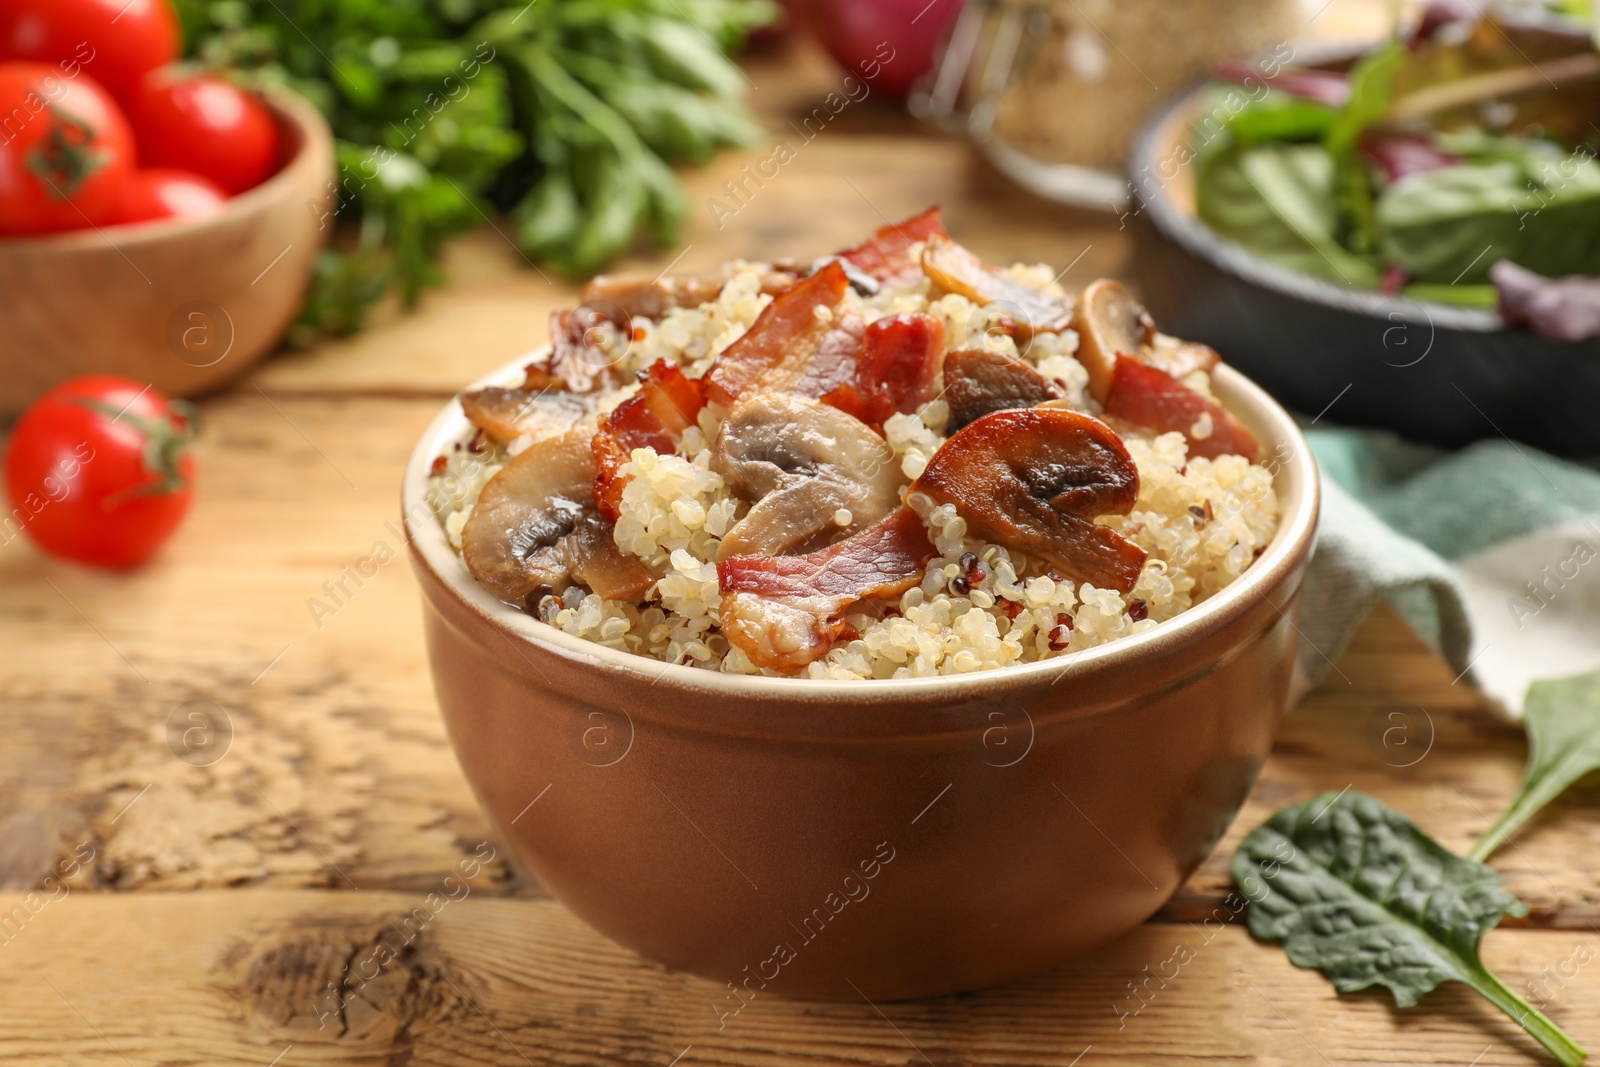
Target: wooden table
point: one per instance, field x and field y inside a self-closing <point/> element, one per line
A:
<point x="195" y="912"/>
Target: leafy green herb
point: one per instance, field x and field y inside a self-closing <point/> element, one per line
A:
<point x="1354" y="890"/>
<point x="565" y="114"/>
<point x="1562" y="716"/>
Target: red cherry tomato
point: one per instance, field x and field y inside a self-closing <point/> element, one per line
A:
<point x="205" y="126"/>
<point x="65" y="150"/>
<point x="98" y="470"/>
<point x="148" y="195"/>
<point x="116" y="41"/>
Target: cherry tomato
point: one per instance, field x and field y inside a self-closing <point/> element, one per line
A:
<point x="99" y="471"/>
<point x="148" y="195"/>
<point x="116" y="41"/>
<point x="65" y="150"/>
<point x="204" y="126"/>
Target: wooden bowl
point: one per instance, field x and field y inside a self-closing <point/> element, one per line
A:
<point x="183" y="304"/>
<point x="879" y="838"/>
<point x="1431" y="372"/>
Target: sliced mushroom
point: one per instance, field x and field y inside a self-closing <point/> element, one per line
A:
<point x="506" y="414"/>
<point x="534" y="528"/>
<point x="1181" y="358"/>
<point x="978" y="382"/>
<point x="1023" y="309"/>
<point x="801" y="462"/>
<point x="640" y="295"/>
<point x="1035" y="480"/>
<point x="785" y="611"/>
<point x="1109" y="320"/>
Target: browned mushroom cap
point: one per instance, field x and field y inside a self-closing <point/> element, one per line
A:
<point x="1026" y="310"/>
<point x="1035" y="480"/>
<point x="978" y="381"/>
<point x="800" y="462"/>
<point x="640" y="295"/>
<point x="1109" y="320"/>
<point x="534" y="528"/>
<point x="506" y="414"/>
<point x="1180" y="358"/>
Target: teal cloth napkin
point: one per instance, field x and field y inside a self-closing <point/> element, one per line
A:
<point x="1491" y="553"/>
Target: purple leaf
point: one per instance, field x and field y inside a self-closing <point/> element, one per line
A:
<point x="1321" y="86"/>
<point x="1559" y="309"/>
<point x="1398" y="155"/>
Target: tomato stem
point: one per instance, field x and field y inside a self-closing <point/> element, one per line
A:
<point x="63" y="162"/>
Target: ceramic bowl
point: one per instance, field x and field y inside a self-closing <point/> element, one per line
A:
<point x="893" y="839"/>
<point x="183" y="304"/>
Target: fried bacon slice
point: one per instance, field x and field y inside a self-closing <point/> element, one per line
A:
<point x="895" y="370"/>
<point x="1023" y="311"/>
<point x="793" y="346"/>
<point x="886" y="255"/>
<point x="667" y="403"/>
<point x="578" y="360"/>
<point x="1148" y="397"/>
<point x="1034" y="480"/>
<point x="786" y="611"/>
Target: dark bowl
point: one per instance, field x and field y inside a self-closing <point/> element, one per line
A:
<point x="1432" y="372"/>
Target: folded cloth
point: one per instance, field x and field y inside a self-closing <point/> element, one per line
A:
<point x="1491" y="553"/>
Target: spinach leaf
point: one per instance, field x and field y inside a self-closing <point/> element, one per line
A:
<point x="1277" y="201"/>
<point x="1562" y="716"/>
<point x="1354" y="890"/>
<point x="1450" y="225"/>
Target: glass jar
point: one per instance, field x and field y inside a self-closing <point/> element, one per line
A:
<point x="1053" y="91"/>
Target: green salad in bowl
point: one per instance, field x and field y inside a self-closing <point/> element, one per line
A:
<point x="1454" y="163"/>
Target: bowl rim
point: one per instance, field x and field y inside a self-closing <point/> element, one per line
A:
<point x="1201" y="241"/>
<point x="314" y="150"/>
<point x="1289" y="548"/>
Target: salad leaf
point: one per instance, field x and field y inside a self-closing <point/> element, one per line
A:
<point x="1562" y="716"/>
<point x="1354" y="890"/>
<point x="1371" y="88"/>
<point x="1277" y="200"/>
<point x="1450" y="225"/>
<point x="1281" y="117"/>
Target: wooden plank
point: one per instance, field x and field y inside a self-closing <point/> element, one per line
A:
<point x="339" y="769"/>
<point x="231" y="978"/>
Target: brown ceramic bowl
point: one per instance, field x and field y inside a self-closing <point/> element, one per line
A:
<point x="182" y="304"/>
<point x="891" y="839"/>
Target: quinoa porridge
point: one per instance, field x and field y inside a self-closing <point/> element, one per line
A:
<point x="897" y="461"/>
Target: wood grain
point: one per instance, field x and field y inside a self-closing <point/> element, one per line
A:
<point x="230" y="871"/>
<point x="514" y="983"/>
